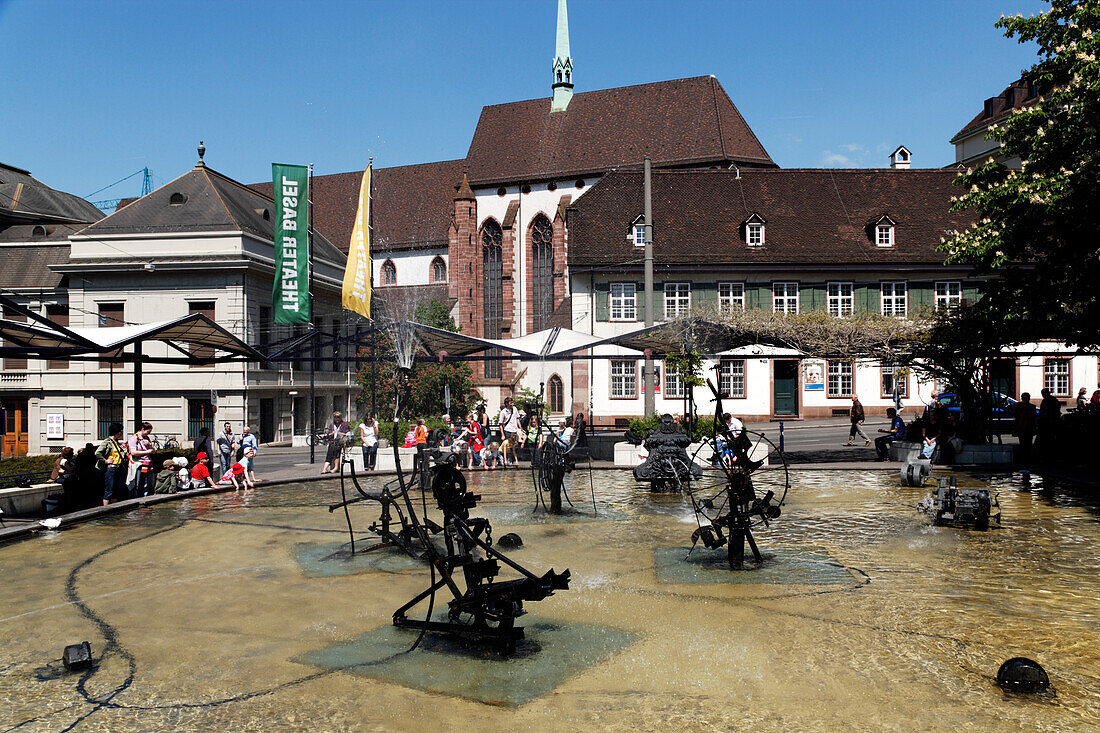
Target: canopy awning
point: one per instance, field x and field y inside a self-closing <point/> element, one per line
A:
<point x="706" y="337"/>
<point x="194" y="329"/>
<point x="552" y="343"/>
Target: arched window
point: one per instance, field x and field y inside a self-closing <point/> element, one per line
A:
<point x="542" y="262"/>
<point x="439" y="270"/>
<point x="492" y="261"/>
<point x="555" y="394"/>
<point x="389" y="273"/>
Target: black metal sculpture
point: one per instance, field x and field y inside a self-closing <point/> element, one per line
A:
<point x="667" y="464"/>
<point x="482" y="609"/>
<point x="735" y="506"/>
<point x="966" y="507"/>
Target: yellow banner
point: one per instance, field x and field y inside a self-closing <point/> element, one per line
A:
<point x="356" y="290"/>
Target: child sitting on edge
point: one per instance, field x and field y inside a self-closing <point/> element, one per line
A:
<point x="200" y="474"/>
<point x="183" y="476"/>
<point x="491" y="457"/>
<point x="166" y="478"/>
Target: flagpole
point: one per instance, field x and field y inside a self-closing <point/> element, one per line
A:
<point x="312" y="330"/>
<point x="370" y="276"/>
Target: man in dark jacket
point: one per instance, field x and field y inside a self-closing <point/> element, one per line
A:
<point x="1025" y="426"/>
<point x="1050" y="414"/>
<point x="857" y="416"/>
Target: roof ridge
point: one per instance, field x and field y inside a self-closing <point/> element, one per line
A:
<point x="718" y="115"/>
<point x="605" y="89"/>
<point x="240" y="185"/>
<point x="136" y="200"/>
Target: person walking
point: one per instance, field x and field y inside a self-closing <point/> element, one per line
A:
<point x="139" y="473"/>
<point x="338" y="432"/>
<point x="227" y="446"/>
<point x="1026" y="417"/>
<point x="110" y="462"/>
<point x="896" y="431"/>
<point x="857" y="416"/>
<point x="368" y="436"/>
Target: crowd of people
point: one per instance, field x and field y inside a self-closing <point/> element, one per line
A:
<point x="123" y="467"/>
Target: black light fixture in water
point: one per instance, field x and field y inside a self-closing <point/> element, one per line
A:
<point x="77" y="656"/>
<point x="1020" y="674"/>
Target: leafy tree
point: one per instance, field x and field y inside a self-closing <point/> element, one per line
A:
<point x="1036" y="227"/>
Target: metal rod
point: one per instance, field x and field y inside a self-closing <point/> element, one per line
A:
<point x="647" y="371"/>
<point x="312" y="340"/>
<point x="137" y="385"/>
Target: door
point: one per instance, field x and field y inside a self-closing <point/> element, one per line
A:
<point x="267" y="420"/>
<point x="1002" y="377"/>
<point x="15" y="428"/>
<point x="785" y="387"/>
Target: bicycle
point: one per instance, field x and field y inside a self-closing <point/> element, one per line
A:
<point x="170" y="443"/>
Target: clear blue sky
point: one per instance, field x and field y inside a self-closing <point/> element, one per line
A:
<point x="93" y="91"/>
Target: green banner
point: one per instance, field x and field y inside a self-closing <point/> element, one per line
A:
<point x="290" y="295"/>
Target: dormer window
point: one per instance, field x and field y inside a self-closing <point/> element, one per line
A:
<point x="38" y="231"/>
<point x="637" y="231"/>
<point x="884" y="231"/>
<point x="754" y="230"/>
<point x="177" y="199"/>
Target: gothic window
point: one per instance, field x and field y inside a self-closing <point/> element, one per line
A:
<point x="556" y="393"/>
<point x="389" y="273"/>
<point x="492" y="259"/>
<point x="439" y="270"/>
<point x="542" y="260"/>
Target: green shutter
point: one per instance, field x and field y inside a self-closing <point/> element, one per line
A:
<point x="867" y="298"/>
<point x="704" y="295"/>
<point x="603" y="297"/>
<point x="639" y="296"/>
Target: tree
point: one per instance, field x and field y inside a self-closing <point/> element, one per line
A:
<point x="427" y="381"/>
<point x="1036" y="227"/>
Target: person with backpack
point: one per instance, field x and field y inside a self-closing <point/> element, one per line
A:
<point x="111" y="462"/>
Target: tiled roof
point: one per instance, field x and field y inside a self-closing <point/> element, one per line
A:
<point x="24" y="197"/>
<point x="685" y="122"/>
<point x="814" y="217"/>
<point x="1015" y="96"/>
<point x="413" y="204"/>
<point x="29" y="266"/>
<point x="212" y="203"/>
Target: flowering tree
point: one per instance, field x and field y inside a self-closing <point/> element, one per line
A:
<point x="1036" y="228"/>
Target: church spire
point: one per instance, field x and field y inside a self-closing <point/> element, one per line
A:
<point x="563" y="63"/>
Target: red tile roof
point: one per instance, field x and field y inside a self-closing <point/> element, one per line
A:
<point x="814" y="217"/>
<point x="1015" y="96"/>
<point x="685" y="122"/>
<point x="413" y="204"/>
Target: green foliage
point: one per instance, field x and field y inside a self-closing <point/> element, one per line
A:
<point x="435" y="314"/>
<point x="702" y="430"/>
<point x="1036" y="226"/>
<point x="689" y="365"/>
<point x="26" y="464"/>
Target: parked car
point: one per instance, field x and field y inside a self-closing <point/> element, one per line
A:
<point x="1004" y="410"/>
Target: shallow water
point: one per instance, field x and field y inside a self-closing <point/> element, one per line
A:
<point x="210" y="610"/>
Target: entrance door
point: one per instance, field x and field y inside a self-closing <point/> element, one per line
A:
<point x="785" y="387"/>
<point x="267" y="420"/>
<point x="15" y="428"/>
<point x="1002" y="377"/>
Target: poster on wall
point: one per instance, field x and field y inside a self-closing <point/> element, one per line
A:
<point x="55" y="426"/>
<point x="815" y="375"/>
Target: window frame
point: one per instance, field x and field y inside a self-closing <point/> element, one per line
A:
<point x="840" y="298"/>
<point x="677" y="298"/>
<point x="890" y="370"/>
<point x="839" y="375"/>
<point x="674" y="387"/>
<point x="555" y="382"/>
<point x="438" y="262"/>
<point x="888" y="240"/>
<point x="1047" y="374"/>
<point x="754" y="234"/>
<point x="623" y="298"/>
<point x="632" y="377"/>
<point x="948" y="299"/>
<point x="786" y="296"/>
<point x="892" y="298"/>
<point x="726" y="377"/>
<point x="728" y="301"/>
<point x="638" y="226"/>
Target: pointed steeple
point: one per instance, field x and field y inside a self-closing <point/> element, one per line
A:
<point x="563" y="63"/>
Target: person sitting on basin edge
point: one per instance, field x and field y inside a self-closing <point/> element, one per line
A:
<point x="896" y="431"/>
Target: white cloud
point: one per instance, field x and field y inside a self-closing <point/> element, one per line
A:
<point x="830" y="158"/>
<point x="854" y="148"/>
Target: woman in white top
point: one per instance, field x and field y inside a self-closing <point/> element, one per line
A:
<point x="368" y="433"/>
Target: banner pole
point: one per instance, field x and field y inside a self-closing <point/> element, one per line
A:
<point x="312" y="330"/>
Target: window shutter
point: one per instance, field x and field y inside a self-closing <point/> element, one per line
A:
<point x="603" y="295"/>
<point x="658" y="300"/>
<point x="704" y="295"/>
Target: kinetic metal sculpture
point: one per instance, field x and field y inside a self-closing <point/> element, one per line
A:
<point x="734" y="507"/>
<point x="966" y="507"/>
<point x="482" y="609"/>
<point x="668" y="463"/>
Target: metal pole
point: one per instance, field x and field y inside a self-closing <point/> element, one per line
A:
<point x="313" y="332"/>
<point x="650" y="400"/>
<point x="137" y="385"/>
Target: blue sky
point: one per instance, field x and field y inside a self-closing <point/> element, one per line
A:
<point x="94" y="91"/>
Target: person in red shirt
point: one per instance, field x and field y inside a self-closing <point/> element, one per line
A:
<point x="235" y="475"/>
<point x="200" y="474"/>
